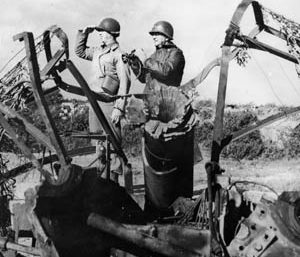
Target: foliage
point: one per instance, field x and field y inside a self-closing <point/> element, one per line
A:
<point x="293" y="143"/>
<point x="249" y="146"/>
<point x="272" y="151"/>
<point x="73" y="115"/>
<point x="66" y="116"/>
<point x="204" y="133"/>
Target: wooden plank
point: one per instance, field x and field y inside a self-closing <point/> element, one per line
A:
<point x="31" y="129"/>
<point x="218" y="123"/>
<point x="42" y="104"/>
<point x="214" y="63"/>
<point x="51" y="64"/>
<point x="263" y="123"/>
<point x="140" y="239"/>
<point x="278" y="33"/>
<point x="258" y="15"/>
<point x="254" y="32"/>
<point x="103" y="97"/>
<point x="253" y="43"/>
<point x="205" y="71"/>
<point x="239" y="12"/>
<point x="46" y="160"/>
<point x="25" y="150"/>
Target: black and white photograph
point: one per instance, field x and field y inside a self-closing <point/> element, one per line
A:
<point x="162" y="128"/>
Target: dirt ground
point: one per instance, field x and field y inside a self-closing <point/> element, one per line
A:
<point x="281" y="175"/>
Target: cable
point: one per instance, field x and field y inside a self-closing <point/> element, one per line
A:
<point x="38" y="47"/>
<point x="265" y="75"/>
<point x="287" y="77"/>
<point x="270" y="84"/>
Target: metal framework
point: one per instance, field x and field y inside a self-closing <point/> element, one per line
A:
<point x="57" y="63"/>
<point x="233" y="33"/>
<point x="219" y="141"/>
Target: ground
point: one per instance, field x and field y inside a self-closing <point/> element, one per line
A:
<point x="281" y="175"/>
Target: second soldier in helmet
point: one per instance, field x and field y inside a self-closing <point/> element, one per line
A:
<point x="165" y="66"/>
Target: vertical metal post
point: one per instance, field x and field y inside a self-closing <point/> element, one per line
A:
<point x="39" y="97"/>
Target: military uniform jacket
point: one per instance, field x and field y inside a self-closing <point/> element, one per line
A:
<point x="107" y="62"/>
<point x="165" y="66"/>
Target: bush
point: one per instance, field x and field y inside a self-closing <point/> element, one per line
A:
<point x="204" y="133"/>
<point x="272" y="151"/>
<point x="250" y="146"/>
<point x="65" y="119"/>
<point x="293" y="143"/>
<point x="73" y="115"/>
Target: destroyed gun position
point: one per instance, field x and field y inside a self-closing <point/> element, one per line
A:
<point x="74" y="212"/>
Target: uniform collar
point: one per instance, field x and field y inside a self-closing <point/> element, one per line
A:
<point x="113" y="46"/>
<point x="167" y="44"/>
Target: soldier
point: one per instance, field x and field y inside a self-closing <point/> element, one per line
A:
<point x="165" y="66"/>
<point x="111" y="75"/>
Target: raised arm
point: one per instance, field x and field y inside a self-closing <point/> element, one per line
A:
<point x="81" y="49"/>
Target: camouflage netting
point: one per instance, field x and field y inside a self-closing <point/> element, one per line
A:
<point x="289" y="28"/>
<point x="15" y="91"/>
<point x="15" y="82"/>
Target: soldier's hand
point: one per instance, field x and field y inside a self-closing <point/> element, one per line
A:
<point x="140" y="53"/>
<point x="116" y="116"/>
<point x="88" y="29"/>
<point x="107" y="98"/>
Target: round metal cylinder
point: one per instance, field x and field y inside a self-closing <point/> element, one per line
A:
<point x="168" y="171"/>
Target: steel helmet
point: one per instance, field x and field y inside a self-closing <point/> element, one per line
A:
<point x="109" y="25"/>
<point x="163" y="27"/>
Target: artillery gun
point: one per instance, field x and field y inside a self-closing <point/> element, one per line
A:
<point x="76" y="213"/>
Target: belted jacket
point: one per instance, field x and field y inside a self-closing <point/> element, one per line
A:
<point x="165" y="66"/>
<point x="110" y="73"/>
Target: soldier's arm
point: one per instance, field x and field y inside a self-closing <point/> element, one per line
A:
<point x="136" y="66"/>
<point x="123" y="72"/>
<point x="81" y="49"/>
<point x="165" y="70"/>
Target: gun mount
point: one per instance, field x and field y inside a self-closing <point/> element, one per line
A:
<point x="76" y="213"/>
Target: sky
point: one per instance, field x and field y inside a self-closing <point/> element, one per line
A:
<point x="199" y="31"/>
